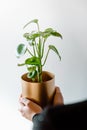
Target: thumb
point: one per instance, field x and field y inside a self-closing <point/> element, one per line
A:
<point x="25" y="101"/>
<point x="58" y="98"/>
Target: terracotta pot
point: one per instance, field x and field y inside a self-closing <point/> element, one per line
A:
<point x="40" y="93"/>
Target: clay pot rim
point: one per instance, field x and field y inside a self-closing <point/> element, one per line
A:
<point x="48" y="73"/>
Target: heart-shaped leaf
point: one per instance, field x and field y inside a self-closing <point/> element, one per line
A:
<point x="32" y="21"/>
<point x="21" y="49"/>
<point x="31" y="36"/>
<point x="50" y="32"/>
<point x="32" y="74"/>
<point x="32" y="61"/>
<point x="52" y="47"/>
<point x="56" y="34"/>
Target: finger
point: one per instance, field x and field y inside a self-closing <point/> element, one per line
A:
<point x="22" y="104"/>
<point x="21" y="111"/>
<point x="58" y="98"/>
<point x="20" y="97"/>
<point x="22" y="101"/>
<point x="25" y="101"/>
<point x="57" y="90"/>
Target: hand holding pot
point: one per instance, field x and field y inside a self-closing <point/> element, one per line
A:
<point x="28" y="108"/>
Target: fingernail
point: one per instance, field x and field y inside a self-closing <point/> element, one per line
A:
<point x="25" y="100"/>
<point x="57" y="90"/>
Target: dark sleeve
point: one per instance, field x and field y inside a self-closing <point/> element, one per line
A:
<point x="62" y="117"/>
<point x="40" y="121"/>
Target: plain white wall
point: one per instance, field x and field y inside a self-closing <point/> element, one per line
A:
<point x="70" y="19"/>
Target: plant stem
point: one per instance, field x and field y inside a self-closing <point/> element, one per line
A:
<point x="39" y="55"/>
<point x="29" y="52"/>
<point x="43" y="47"/>
<point x="34" y="51"/>
<point x="21" y="64"/>
<point x="38" y="27"/>
<point x="36" y="48"/>
<point x="40" y="73"/>
<point x="46" y="57"/>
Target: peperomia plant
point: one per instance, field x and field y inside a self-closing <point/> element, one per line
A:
<point x="37" y="53"/>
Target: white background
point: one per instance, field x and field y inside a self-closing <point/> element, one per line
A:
<point x="69" y="17"/>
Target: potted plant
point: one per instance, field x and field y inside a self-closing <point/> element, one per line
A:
<point x="37" y="84"/>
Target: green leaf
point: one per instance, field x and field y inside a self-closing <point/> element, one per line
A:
<point x="32" y="74"/>
<point x="56" y="34"/>
<point x="50" y="32"/>
<point x="47" y="32"/>
<point x="32" y="21"/>
<point x="52" y="47"/>
<point x="21" y="50"/>
<point x="31" y="68"/>
<point x="26" y="35"/>
<point x="32" y="61"/>
<point x="32" y="36"/>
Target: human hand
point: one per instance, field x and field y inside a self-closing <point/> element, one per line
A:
<point x="58" y="98"/>
<point x="28" y="108"/>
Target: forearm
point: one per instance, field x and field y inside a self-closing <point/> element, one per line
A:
<point x="64" y="116"/>
<point x="40" y="121"/>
